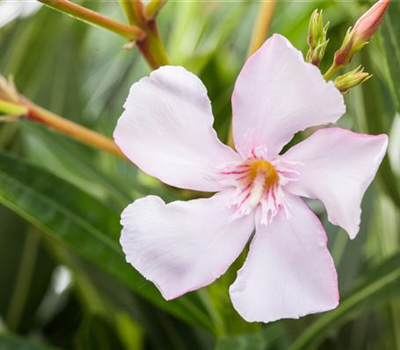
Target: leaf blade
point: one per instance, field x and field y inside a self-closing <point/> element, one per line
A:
<point x="79" y="221"/>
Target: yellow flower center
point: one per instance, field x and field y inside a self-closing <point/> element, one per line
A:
<point x="259" y="184"/>
<point x="261" y="169"/>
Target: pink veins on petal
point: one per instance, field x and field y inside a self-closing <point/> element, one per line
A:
<point x="259" y="182"/>
<point x="167" y="131"/>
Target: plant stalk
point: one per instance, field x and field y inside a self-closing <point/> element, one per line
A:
<point x="88" y="16"/>
<point x="153" y="7"/>
<point x="146" y="36"/>
<point x="71" y="129"/>
<point x="133" y="10"/>
<point x="331" y="71"/>
<point x="152" y="48"/>
<point x="12" y="109"/>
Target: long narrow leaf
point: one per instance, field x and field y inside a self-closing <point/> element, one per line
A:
<point x="382" y="284"/>
<point x="85" y="225"/>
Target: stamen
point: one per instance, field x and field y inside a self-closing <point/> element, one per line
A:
<point x="259" y="183"/>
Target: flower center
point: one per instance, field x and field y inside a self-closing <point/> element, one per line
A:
<point x="264" y="172"/>
<point x="259" y="184"/>
<point x="258" y="180"/>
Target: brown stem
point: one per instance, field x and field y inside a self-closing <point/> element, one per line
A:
<point x="147" y="36"/>
<point x="92" y="17"/>
<point x="69" y="128"/>
<point x="138" y="8"/>
<point x="152" y="47"/>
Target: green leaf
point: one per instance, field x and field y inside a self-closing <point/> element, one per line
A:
<point x="66" y="159"/>
<point x="261" y="340"/>
<point x="255" y="341"/>
<point x="380" y="285"/>
<point x="10" y="342"/>
<point x="391" y="40"/>
<point x="374" y="118"/>
<point x="97" y="333"/>
<point x="25" y="268"/>
<point x="87" y="226"/>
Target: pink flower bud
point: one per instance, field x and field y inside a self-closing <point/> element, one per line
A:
<point x="357" y="37"/>
<point x="369" y="23"/>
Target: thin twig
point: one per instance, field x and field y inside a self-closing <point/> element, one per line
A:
<point x="11" y="108"/>
<point x="134" y="10"/>
<point x="146" y="36"/>
<point x="153" y="7"/>
<point x="69" y="128"/>
<point x="92" y="17"/>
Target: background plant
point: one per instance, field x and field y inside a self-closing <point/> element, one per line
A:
<point x="64" y="280"/>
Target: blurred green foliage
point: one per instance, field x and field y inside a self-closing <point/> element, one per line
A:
<point x="64" y="281"/>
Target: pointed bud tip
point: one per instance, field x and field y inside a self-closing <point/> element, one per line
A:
<point x="357" y="37"/>
<point x="369" y="23"/>
<point x="316" y="28"/>
<point x="317" y="37"/>
<point x="351" y="79"/>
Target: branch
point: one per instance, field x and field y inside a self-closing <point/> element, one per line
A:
<point x="145" y="35"/>
<point x="153" y="7"/>
<point x="12" y="109"/>
<point x="88" y="16"/>
<point x="71" y="129"/>
<point x="16" y="106"/>
<point x="134" y="10"/>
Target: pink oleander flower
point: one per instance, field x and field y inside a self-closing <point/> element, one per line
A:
<point x="166" y="130"/>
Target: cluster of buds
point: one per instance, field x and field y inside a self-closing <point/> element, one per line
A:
<point x="317" y="41"/>
<point x="351" y="79"/>
<point x="357" y="37"/>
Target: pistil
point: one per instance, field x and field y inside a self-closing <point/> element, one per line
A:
<point x="258" y="184"/>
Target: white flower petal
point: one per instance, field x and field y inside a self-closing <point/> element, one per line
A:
<point x="338" y="166"/>
<point x="289" y="272"/>
<point x="277" y="94"/>
<point x="166" y="130"/>
<point x="183" y="246"/>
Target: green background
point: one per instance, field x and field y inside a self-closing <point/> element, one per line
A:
<point x="64" y="283"/>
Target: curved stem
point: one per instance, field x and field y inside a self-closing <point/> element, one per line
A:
<point x="146" y="36"/>
<point x="92" y="17"/>
<point x="71" y="129"/>
<point x="331" y="71"/>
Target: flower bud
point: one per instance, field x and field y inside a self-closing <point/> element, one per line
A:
<point x="317" y="38"/>
<point x="351" y="79"/>
<point x="369" y="23"/>
<point x="363" y="30"/>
